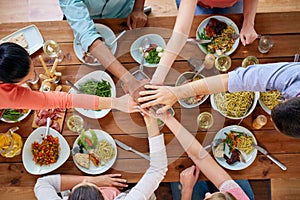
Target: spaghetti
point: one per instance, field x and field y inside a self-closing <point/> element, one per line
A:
<point x="105" y="151"/>
<point x="271" y="98"/>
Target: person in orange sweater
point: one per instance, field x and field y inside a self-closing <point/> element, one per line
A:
<point x="16" y="68"/>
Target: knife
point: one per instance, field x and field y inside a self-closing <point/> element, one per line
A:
<point x="198" y="41"/>
<point x="265" y="152"/>
<point x="128" y="148"/>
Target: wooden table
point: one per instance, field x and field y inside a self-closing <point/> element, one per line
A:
<point x="130" y="129"/>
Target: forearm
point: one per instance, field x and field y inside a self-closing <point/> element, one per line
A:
<point x="177" y="41"/>
<point x="186" y="193"/>
<point x="250" y="7"/>
<point x="152" y="126"/>
<point x="139" y="5"/>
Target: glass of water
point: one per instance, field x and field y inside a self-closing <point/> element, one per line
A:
<point x="265" y="44"/>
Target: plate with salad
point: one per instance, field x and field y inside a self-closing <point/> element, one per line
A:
<point x="94" y="151"/>
<point x="152" y="54"/>
<point x="234" y="150"/>
<point x="95" y="83"/>
<point x="223" y="32"/>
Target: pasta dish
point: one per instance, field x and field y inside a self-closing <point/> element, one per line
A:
<point x="105" y="151"/>
<point x="236" y="104"/>
<point x="271" y="98"/>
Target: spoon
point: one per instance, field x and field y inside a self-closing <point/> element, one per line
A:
<point x="47" y="126"/>
<point x="116" y="39"/>
<point x="145" y="45"/>
<point x="296" y="57"/>
<point x="198" y="72"/>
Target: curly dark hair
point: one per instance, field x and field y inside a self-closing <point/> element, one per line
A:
<point x="286" y="117"/>
<point x="14" y="62"/>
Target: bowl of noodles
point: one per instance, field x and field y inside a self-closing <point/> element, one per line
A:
<point x="190" y="102"/>
<point x="234" y="105"/>
<point x="268" y="100"/>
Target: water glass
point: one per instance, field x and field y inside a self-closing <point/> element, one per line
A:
<point x="265" y="44"/>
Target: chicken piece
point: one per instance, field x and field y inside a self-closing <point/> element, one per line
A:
<point x="215" y="27"/>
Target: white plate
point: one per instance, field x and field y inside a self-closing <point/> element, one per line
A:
<point x="135" y="47"/>
<point x="33" y="37"/>
<point x="97" y="76"/>
<point x="106" y="33"/>
<point x="37" y="136"/>
<point x="101" y="135"/>
<point x="22" y="117"/>
<point x="249" y="158"/>
<point x="264" y="107"/>
<point x="228" y="21"/>
<point x="214" y="106"/>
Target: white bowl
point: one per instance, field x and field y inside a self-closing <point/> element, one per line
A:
<point x="188" y="76"/>
<point x="214" y="106"/>
<point x="97" y="76"/>
<point x="37" y="136"/>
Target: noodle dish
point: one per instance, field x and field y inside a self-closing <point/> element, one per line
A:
<point x="268" y="100"/>
<point x="235" y="151"/>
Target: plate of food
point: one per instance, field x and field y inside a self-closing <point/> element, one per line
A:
<point x="235" y="150"/>
<point x="28" y="37"/>
<point x="11" y="115"/>
<point x="268" y="100"/>
<point x="36" y="160"/>
<point x="194" y="101"/>
<point x="222" y="31"/>
<point x="152" y="54"/>
<point x="96" y="83"/>
<point x="85" y="57"/>
<point x="94" y="151"/>
<point x="234" y="105"/>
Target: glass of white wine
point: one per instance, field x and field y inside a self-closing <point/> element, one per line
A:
<point x="51" y="48"/>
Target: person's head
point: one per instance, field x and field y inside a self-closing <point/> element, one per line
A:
<point x="286" y="115"/>
<point x="219" y="196"/>
<point x="86" y="191"/>
<point x="15" y="64"/>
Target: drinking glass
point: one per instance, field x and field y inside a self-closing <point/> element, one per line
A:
<point x="249" y="60"/>
<point x="223" y="63"/>
<point x="205" y="120"/>
<point x="265" y="44"/>
<point x="51" y="48"/>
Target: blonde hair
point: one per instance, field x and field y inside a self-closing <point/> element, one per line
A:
<point x="222" y="196"/>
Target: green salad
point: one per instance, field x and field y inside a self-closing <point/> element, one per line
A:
<point x="98" y="88"/>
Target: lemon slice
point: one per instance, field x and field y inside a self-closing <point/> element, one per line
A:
<point x="75" y="123"/>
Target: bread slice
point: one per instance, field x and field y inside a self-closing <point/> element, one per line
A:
<point x="20" y="40"/>
<point x="82" y="159"/>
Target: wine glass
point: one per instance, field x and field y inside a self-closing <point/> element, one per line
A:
<point x="51" y="48"/>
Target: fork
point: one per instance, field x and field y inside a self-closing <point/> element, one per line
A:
<point x="233" y="35"/>
<point x="214" y="143"/>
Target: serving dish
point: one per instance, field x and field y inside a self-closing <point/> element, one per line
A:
<point x="37" y="136"/>
<point x="184" y="77"/>
<point x="248" y="158"/>
<point x="272" y="94"/>
<point x="101" y="135"/>
<point x="228" y="21"/>
<point x="135" y="47"/>
<point x="97" y="76"/>
<point x="108" y="36"/>
<point x="33" y="37"/>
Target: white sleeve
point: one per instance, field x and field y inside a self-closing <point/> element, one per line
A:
<point x="47" y="187"/>
<point x="154" y="174"/>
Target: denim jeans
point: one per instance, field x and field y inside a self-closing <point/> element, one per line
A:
<point x="235" y="9"/>
<point x="202" y="187"/>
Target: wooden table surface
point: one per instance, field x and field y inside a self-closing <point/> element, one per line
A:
<point x="130" y="129"/>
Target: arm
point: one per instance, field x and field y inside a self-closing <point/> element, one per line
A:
<point x="188" y="179"/>
<point x="167" y="96"/>
<point x="47" y="187"/>
<point x="248" y="33"/>
<point x="177" y="41"/>
<point x="158" y="164"/>
<point x="137" y="18"/>
<point x="216" y="174"/>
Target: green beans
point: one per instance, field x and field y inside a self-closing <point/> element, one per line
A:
<point x="99" y="88"/>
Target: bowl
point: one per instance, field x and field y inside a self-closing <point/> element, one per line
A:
<point x="183" y="78"/>
<point x="250" y="110"/>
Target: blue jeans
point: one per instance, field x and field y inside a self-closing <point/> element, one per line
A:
<point x="235" y="9"/>
<point x="202" y="187"/>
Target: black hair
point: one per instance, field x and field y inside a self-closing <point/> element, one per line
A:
<point x="86" y="192"/>
<point x="14" y="62"/>
<point x="286" y="117"/>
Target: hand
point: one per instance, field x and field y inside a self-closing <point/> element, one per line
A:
<point x="126" y="104"/>
<point x="189" y="177"/>
<point x="136" y="19"/>
<point x="109" y="180"/>
<point x="135" y="87"/>
<point x="248" y="34"/>
<point x="163" y="95"/>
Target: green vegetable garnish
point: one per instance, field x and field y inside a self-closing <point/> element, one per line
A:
<point x="11" y="114"/>
<point x="99" y="88"/>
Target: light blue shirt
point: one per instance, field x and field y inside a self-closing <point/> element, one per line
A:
<point x="283" y="76"/>
<point x="80" y="13"/>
